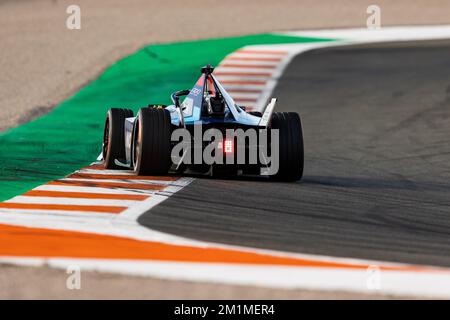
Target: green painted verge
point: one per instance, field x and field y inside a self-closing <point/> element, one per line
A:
<point x="69" y="137"/>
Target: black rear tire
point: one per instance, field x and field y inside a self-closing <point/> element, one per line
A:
<point x="129" y="113"/>
<point x="114" y="136"/>
<point x="151" y="142"/>
<point x="291" y="157"/>
<point x="256" y="113"/>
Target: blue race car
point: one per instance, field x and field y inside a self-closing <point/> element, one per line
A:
<point x="205" y="132"/>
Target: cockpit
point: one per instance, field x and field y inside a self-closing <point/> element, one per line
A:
<point x="207" y="99"/>
<point x="214" y="104"/>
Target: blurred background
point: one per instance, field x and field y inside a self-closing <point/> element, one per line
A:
<point x="42" y="62"/>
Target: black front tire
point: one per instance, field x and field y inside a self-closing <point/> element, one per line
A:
<point x="114" y="136"/>
<point x="291" y="153"/>
<point x="151" y="142"/>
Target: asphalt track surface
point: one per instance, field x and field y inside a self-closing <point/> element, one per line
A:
<point x="377" y="163"/>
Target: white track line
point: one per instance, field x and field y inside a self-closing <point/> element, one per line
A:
<point x="125" y="182"/>
<point x="69" y="188"/>
<point x="73" y="201"/>
<point x="258" y="63"/>
<point x="392" y="282"/>
<point x="253" y="70"/>
<point x="401" y="33"/>
<point x="231" y="87"/>
<point x="256" y="101"/>
<point x="230" y="77"/>
<point x="42" y="218"/>
<point x="105" y="172"/>
<point x="256" y="57"/>
<point x="134" y="212"/>
<point x="242" y="95"/>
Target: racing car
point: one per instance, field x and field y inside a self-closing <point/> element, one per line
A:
<point x="145" y="143"/>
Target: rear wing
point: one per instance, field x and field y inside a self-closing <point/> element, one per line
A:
<point x="267" y="115"/>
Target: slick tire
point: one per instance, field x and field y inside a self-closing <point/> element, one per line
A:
<point x="151" y="142"/>
<point x="114" y="136"/>
<point x="256" y="113"/>
<point x="291" y="153"/>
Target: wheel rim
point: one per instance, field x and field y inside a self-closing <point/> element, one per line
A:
<point x="136" y="145"/>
